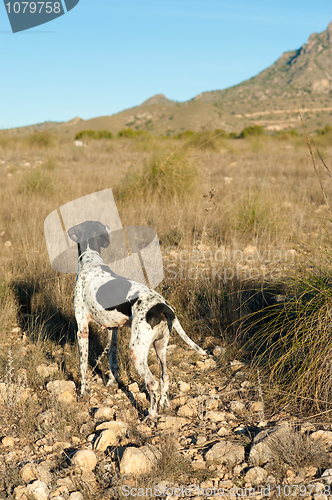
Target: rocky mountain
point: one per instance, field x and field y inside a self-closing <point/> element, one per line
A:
<point x="300" y="80"/>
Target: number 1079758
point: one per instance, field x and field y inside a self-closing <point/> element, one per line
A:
<point x="33" y="7"/>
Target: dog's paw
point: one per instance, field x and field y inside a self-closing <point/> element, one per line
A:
<point x="112" y="384"/>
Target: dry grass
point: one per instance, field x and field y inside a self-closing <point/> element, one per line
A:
<point x="265" y="196"/>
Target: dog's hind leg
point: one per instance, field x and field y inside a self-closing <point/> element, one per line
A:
<point x="138" y="350"/>
<point x="160" y="348"/>
<point x="113" y="357"/>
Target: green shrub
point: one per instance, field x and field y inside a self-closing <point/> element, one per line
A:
<point x="290" y="342"/>
<point x="287" y="134"/>
<point x="252" y="130"/>
<point x="129" y="133"/>
<point x="160" y="177"/>
<point x="37" y="181"/>
<point x="326" y="130"/>
<point x="43" y="138"/>
<point x="94" y="134"/>
<point x="184" y="135"/>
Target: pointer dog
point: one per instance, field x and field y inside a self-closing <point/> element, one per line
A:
<point x="112" y="301"/>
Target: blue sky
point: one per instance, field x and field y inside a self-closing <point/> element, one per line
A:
<point x="105" y="56"/>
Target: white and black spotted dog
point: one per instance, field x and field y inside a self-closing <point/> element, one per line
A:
<point x="112" y="301"/>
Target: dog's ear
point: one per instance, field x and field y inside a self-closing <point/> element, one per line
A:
<point x="73" y="234"/>
<point x="105" y="239"/>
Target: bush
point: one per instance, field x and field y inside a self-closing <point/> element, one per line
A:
<point x="159" y="178"/>
<point x="290" y="341"/>
<point x="287" y="134"/>
<point x="326" y="130"/>
<point x="206" y="139"/>
<point x="184" y="135"/>
<point x="129" y="133"/>
<point x="43" y="138"/>
<point x="253" y="130"/>
<point x="94" y="134"/>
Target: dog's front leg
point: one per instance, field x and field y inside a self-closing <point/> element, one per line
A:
<point x="113" y="357"/>
<point x="83" y="347"/>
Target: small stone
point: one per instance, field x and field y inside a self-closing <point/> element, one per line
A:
<point x="137" y="461"/>
<point x="118" y="427"/>
<point x="237" y="406"/>
<point x="171" y="423"/>
<point x="46" y="371"/>
<point x="38" y="490"/>
<point x="104" y="413"/>
<point x="187" y="411"/>
<point x="255" y="475"/>
<point x="236" y="365"/>
<point x="219" y="351"/>
<point x="327" y="476"/>
<point x="223" y="431"/>
<point x="60" y="386"/>
<point x="66" y="397"/>
<point x="8" y="441"/>
<point x="106" y="438"/>
<point x="85" y="459"/>
<point x="183" y="386"/>
<point x="215" y="416"/>
<point x="257" y="406"/>
<point x="133" y="387"/>
<point x="76" y="495"/>
<point x="8" y="244"/>
<point x="207" y="364"/>
<point x="323" y="436"/>
<point x="211" y="404"/>
<point x="225" y="452"/>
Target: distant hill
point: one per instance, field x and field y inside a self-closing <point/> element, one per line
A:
<point x="299" y="80"/>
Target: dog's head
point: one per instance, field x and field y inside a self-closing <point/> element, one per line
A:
<point x="92" y="234"/>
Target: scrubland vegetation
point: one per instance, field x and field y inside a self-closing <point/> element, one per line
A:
<point x="244" y="229"/>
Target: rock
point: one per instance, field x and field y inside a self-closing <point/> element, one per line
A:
<point x="237" y="406"/>
<point x="76" y="495"/>
<point x="206" y="364"/>
<point x="226" y="452"/>
<point x="104" y="413"/>
<point x="236" y="365"/>
<point x="187" y="411"/>
<point x="211" y="404"/>
<point x="58" y="387"/>
<point x="136" y="461"/>
<point x="215" y="416"/>
<point x="257" y="406"/>
<point x="219" y="351"/>
<point x="66" y="397"/>
<point x="323" y="436"/>
<point x="46" y="371"/>
<point x="133" y="387"/>
<point x="327" y="476"/>
<point x="260" y="452"/>
<point x="85" y="459"/>
<point x="31" y="471"/>
<point x="105" y="439"/>
<point x="8" y="441"/>
<point x="28" y="472"/>
<point x="255" y="475"/>
<point x="171" y="423"/>
<point x="37" y="491"/>
<point x="120" y="428"/>
<point x="223" y="431"/>
<point x="183" y="386"/>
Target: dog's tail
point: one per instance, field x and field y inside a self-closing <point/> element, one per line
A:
<point x="184" y="336"/>
<point x="154" y="316"/>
